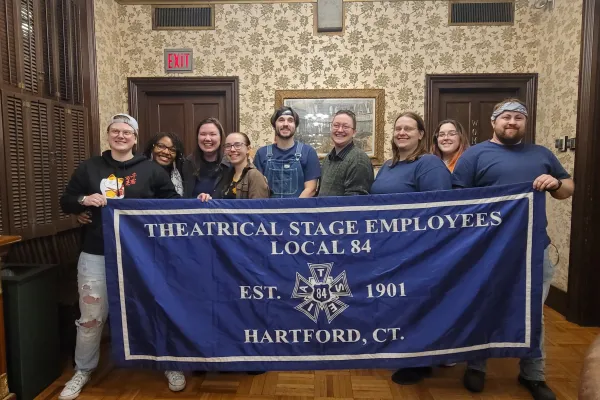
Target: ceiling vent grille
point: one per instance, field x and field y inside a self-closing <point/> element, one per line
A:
<point x="482" y="13"/>
<point x="183" y="17"/>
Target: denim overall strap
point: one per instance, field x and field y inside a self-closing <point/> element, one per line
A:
<point x="298" y="154"/>
<point x="285" y="176"/>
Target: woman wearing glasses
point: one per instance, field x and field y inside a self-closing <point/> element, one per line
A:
<point x="411" y="169"/>
<point x="243" y="180"/>
<point x="166" y="149"/>
<point x="116" y="174"/>
<point x="449" y="142"/>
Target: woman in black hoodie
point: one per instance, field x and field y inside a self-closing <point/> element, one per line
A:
<point x="165" y="149"/>
<point x="117" y="174"/>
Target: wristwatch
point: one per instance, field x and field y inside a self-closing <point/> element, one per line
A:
<point x="558" y="187"/>
<point x="81" y="199"/>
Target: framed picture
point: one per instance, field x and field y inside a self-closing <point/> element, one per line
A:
<point x="316" y="109"/>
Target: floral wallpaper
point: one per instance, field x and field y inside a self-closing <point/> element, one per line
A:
<point x="110" y="79"/>
<point x="558" y="68"/>
<point x="388" y="44"/>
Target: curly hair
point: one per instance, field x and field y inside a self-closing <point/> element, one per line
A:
<point x="177" y="143"/>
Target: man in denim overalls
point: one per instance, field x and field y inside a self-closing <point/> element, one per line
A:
<point x="292" y="168"/>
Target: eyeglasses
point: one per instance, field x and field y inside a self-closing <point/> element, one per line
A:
<point x="407" y="129"/>
<point x="117" y="132"/>
<point x="345" y="128"/>
<point x="449" y="134"/>
<point x="236" y="145"/>
<point x="162" y="147"/>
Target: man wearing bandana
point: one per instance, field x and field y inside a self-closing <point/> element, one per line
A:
<point x="503" y="160"/>
<point x="292" y="168"/>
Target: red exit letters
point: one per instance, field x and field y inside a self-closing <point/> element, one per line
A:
<point x="178" y="60"/>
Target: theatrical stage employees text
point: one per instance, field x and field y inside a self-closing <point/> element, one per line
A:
<point x="379" y="335"/>
<point x="309" y="229"/>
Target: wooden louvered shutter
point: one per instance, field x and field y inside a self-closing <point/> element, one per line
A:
<point x="16" y="172"/>
<point x="65" y="67"/>
<point x="8" y="51"/>
<point x="3" y="199"/>
<point x="78" y="134"/>
<point x="3" y="230"/>
<point x="45" y="119"/>
<point x="61" y="162"/>
<point x="2" y="192"/>
<point x="47" y="33"/>
<point x="41" y="166"/>
<point x="29" y="48"/>
<point x="75" y="31"/>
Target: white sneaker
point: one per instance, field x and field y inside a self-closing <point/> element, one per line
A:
<point x="73" y="387"/>
<point x="176" y="380"/>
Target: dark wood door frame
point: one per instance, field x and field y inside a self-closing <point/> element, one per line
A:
<point x="140" y="88"/>
<point x="90" y="79"/>
<point x="524" y="83"/>
<point x="583" y="299"/>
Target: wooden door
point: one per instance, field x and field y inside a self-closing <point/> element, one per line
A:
<point x="470" y="99"/>
<point x="178" y="104"/>
<point x="473" y="109"/>
<point x="181" y="114"/>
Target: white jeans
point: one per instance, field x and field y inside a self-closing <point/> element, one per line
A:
<point x="93" y="304"/>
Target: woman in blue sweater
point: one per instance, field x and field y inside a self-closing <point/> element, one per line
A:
<point x="411" y="169"/>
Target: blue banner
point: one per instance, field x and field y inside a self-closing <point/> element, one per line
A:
<point x="382" y="281"/>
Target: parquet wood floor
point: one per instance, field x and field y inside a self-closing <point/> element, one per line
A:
<point x="566" y="344"/>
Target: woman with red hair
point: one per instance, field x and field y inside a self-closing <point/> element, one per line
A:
<point x="449" y="142"/>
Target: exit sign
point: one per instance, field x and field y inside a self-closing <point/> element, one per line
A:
<point x="179" y="60"/>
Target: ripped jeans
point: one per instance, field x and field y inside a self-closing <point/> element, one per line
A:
<point x="93" y="304"/>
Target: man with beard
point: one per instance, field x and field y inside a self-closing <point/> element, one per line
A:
<point x="292" y="168"/>
<point x="503" y="160"/>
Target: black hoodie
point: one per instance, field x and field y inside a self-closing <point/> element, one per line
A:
<point x="138" y="178"/>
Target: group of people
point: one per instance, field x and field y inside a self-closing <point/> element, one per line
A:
<point x="220" y="167"/>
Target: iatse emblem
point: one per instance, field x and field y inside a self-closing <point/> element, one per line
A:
<point x="321" y="292"/>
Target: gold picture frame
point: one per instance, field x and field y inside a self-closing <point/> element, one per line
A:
<point x="316" y="108"/>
